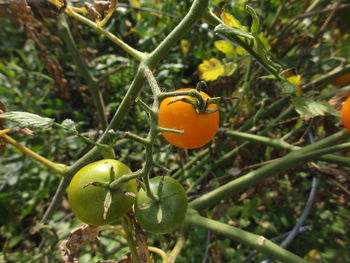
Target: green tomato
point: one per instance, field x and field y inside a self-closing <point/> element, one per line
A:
<point x="87" y="202"/>
<point x="168" y="213"/>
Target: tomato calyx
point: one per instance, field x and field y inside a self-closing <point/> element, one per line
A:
<point x="200" y="109"/>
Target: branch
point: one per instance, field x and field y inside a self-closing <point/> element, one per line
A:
<point x="260" y="243"/>
<point x="305" y="154"/>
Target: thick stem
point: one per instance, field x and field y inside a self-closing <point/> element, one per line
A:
<point x="289" y="161"/>
<point x="130" y="240"/>
<point x="260" y="243"/>
<point x="197" y="9"/>
<point x="281" y="144"/>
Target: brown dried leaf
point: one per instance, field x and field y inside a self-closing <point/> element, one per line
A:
<point x="83" y="235"/>
<point x="141" y="240"/>
<point x="337" y="100"/>
<point x="36" y="31"/>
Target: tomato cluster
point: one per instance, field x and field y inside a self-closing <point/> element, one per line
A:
<point x="86" y="199"/>
<point x="198" y="129"/>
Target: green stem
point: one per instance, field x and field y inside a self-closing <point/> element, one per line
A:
<point x="260" y="243"/>
<point x="56" y="201"/>
<point x="281" y="144"/>
<point x="130" y="240"/>
<point x="270" y="109"/>
<point x="83" y="69"/>
<point x="196" y="11"/>
<point x="264" y="172"/>
<point x="327" y="78"/>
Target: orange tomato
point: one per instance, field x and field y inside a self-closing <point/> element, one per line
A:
<point x="342" y="80"/>
<point x="345" y="114"/>
<point x="199" y="129"/>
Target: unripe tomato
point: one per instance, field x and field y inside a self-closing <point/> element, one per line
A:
<point x="168" y="213"/>
<point x="345" y="114"/>
<point x="342" y="80"/>
<point x="87" y="202"/>
<point x="199" y="129"/>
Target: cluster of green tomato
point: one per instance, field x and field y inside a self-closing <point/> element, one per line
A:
<point x="164" y="209"/>
<point x="87" y="200"/>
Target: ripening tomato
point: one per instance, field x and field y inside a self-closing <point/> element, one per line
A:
<point x="87" y="202"/>
<point x="199" y="129"/>
<point x="342" y="80"/>
<point x="168" y="213"/>
<point x="345" y="114"/>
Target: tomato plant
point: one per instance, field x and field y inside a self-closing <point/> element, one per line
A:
<point x="168" y="212"/>
<point x="199" y="129"/>
<point x="87" y="201"/>
<point x="345" y="114"/>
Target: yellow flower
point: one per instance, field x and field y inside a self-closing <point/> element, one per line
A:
<point x="211" y="69"/>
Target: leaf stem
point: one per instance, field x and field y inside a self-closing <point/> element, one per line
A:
<point x="60" y="168"/>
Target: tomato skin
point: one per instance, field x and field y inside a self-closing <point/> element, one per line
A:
<point x="199" y="129"/>
<point x="342" y="80"/>
<point x="173" y="202"/>
<point x="345" y="114"/>
<point x="87" y="202"/>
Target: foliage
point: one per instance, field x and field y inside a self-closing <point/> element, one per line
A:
<point x="272" y="63"/>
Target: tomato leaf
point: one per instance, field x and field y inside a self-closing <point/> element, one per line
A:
<point x="308" y="108"/>
<point x="223" y="29"/>
<point x="288" y="87"/>
<point x="256" y="22"/>
<point x="69" y="125"/>
<point x="28" y="120"/>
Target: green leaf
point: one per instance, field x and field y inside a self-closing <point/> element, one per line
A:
<point x="268" y="77"/>
<point x="308" y="108"/>
<point x="229" y="68"/>
<point x="256" y="22"/>
<point x="28" y="120"/>
<point x="223" y="29"/>
<point x="287" y="87"/>
<point x="69" y="125"/>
